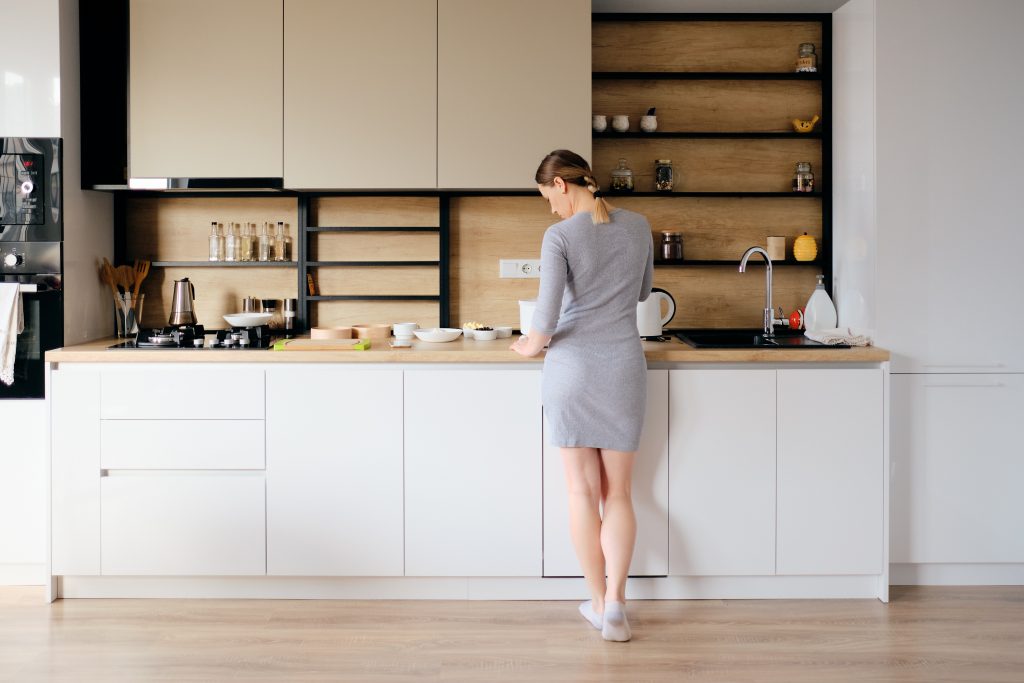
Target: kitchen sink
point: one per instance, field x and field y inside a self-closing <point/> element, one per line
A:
<point x="750" y="339"/>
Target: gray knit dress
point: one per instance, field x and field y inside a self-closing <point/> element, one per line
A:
<point x="594" y="386"/>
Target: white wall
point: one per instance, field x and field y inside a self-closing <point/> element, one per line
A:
<point x="854" y="226"/>
<point x="29" y="69"/>
<point x="88" y="215"/>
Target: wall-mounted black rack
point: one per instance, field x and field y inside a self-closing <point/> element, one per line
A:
<point x="710" y="135"/>
<point x="225" y="264"/>
<point x="706" y="76"/>
<point x="735" y="264"/>
<point x="778" y="195"/>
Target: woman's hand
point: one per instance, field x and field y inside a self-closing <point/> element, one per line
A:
<point x="530" y="346"/>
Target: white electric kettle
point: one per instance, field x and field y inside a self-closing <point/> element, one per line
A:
<point x="649" y="320"/>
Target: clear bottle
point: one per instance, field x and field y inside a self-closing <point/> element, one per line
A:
<point x="820" y="313"/>
<point x="803" y="177"/>
<point x="266" y="245"/>
<point x="245" y="244"/>
<point x="807" y="60"/>
<point x="231" y="243"/>
<point x="288" y="254"/>
<point x="279" y="242"/>
<point x="222" y="231"/>
<point x="216" y="245"/>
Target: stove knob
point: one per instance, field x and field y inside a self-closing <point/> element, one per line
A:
<point x="12" y="260"/>
<point x="27" y="187"/>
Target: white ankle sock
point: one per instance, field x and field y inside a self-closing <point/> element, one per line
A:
<point x="615" y="625"/>
<point x="587" y="610"/>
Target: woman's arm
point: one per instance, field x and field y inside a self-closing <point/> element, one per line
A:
<point x="648" y="281"/>
<point x="554" y="269"/>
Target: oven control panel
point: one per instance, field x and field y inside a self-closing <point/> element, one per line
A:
<point x="21" y="189"/>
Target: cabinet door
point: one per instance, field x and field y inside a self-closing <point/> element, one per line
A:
<point x="23" y="486"/>
<point x="473" y="473"/>
<point x="650" y="495"/>
<point x="513" y="84"/>
<point x="957" y="470"/>
<point x="184" y="523"/>
<point x="360" y="94"/>
<point x="205" y="88"/>
<point x="334" y="472"/>
<point x="830" y="482"/>
<point x="722" y="464"/>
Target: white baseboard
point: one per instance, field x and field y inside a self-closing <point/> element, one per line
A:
<point x="465" y="588"/>
<point x="22" y="574"/>
<point x="1001" y="574"/>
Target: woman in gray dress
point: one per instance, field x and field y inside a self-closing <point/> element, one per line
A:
<point x="596" y="264"/>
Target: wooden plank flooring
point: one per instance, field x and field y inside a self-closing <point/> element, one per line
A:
<point x="928" y="634"/>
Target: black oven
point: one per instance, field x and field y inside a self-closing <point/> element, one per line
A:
<point x="31" y="253"/>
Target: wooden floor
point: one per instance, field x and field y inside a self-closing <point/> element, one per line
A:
<point x="925" y="634"/>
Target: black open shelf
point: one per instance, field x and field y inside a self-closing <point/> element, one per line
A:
<point x="351" y="264"/>
<point x="374" y="297"/>
<point x="709" y="135"/>
<point x="734" y="263"/>
<point x="225" y="264"/>
<point x="707" y="75"/>
<point x="369" y="229"/>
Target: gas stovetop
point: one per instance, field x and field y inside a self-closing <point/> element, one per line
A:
<point x="195" y="337"/>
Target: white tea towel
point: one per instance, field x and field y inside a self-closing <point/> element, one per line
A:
<point x="838" y="335"/>
<point x="12" y="323"/>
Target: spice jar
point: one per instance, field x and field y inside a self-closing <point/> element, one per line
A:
<point x="622" y="177"/>
<point x="806" y="60"/>
<point x="663" y="175"/>
<point x="276" y="322"/>
<point x="290" y="307"/>
<point x="671" y="245"/>
<point x="803" y="178"/>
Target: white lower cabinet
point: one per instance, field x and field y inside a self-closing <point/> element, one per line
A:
<point x="830" y="478"/>
<point x="958" y="468"/>
<point x="473" y="473"/>
<point x="650" y="495"/>
<point x="722" y="464"/>
<point x="183" y="523"/>
<point x="334" y="472"/>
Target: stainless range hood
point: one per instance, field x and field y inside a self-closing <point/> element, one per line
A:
<point x="202" y="184"/>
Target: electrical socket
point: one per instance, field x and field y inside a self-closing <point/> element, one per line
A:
<point x="519" y="268"/>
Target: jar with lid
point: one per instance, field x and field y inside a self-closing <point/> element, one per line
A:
<point x="622" y="177"/>
<point x="671" y="245"/>
<point x="803" y="177"/>
<point x="807" y="60"/>
<point x="664" y="177"/>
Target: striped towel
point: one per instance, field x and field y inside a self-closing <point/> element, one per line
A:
<point x="12" y="323"/>
<point x="838" y="335"/>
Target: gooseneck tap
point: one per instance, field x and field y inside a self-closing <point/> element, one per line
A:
<point x="769" y="312"/>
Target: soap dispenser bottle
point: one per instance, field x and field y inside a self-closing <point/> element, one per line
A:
<point x="820" y="313"/>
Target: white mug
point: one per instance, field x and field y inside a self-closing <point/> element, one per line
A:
<point x="600" y="123"/>
<point x="620" y="123"/>
<point x="649" y="123"/>
<point x="404" y="330"/>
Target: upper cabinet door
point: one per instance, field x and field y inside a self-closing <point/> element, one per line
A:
<point x="513" y="84"/>
<point x="205" y="88"/>
<point x="360" y="94"/>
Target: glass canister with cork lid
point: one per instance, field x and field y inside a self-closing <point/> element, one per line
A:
<point x="622" y="177"/>
<point x="807" y="60"/>
<point x="803" y="177"/>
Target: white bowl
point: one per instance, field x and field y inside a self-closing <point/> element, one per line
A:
<point x="404" y="330"/>
<point x="485" y="335"/>
<point x="248" y="319"/>
<point x="437" y="334"/>
<point x="504" y="332"/>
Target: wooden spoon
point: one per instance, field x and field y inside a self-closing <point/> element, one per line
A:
<point x="141" y="271"/>
<point x="108" y="276"/>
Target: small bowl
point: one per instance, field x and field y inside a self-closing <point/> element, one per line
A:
<point x="378" y="331"/>
<point x="485" y="335"/>
<point x="437" y="334"/>
<point x="467" y="332"/>
<point x="404" y="330"/>
<point x="330" y="333"/>
<point x="247" y="319"/>
<point x="503" y="332"/>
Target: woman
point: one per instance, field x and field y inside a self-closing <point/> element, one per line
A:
<point x="596" y="264"/>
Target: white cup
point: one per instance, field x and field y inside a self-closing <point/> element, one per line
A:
<point x="648" y="123"/>
<point x="404" y="330"/>
<point x="600" y="123"/>
<point x="620" y="123"/>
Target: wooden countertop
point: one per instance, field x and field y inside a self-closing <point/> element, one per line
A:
<point x="458" y="351"/>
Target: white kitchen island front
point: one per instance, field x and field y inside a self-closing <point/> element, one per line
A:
<point x="308" y="479"/>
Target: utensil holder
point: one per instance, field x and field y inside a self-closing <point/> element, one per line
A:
<point x="127" y="313"/>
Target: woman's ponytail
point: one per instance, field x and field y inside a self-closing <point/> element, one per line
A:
<point x="572" y="168"/>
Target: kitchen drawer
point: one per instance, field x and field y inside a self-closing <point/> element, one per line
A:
<point x="181" y="524"/>
<point x="183" y="444"/>
<point x="182" y="393"/>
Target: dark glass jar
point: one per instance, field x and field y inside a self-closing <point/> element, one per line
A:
<point x="671" y="245"/>
<point x="664" y="177"/>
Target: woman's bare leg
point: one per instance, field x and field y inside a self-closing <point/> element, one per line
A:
<point x="583" y="478"/>
<point x="618" y="528"/>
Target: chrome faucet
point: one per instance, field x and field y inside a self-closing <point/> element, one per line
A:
<point x="769" y="312"/>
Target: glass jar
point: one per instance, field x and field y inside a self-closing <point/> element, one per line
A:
<point x="664" y="178"/>
<point x="671" y="245"/>
<point x="622" y="177"/>
<point x="807" y="60"/>
<point x="803" y="178"/>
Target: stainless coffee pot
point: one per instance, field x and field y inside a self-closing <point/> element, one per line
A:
<point x="183" y="303"/>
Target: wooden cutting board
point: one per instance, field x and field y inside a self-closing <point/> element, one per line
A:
<point x="322" y="345"/>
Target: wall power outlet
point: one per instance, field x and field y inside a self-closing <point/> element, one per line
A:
<point x="518" y="268"/>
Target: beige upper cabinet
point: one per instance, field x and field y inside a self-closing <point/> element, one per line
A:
<point x="360" y="94"/>
<point x="205" y="88"/>
<point x="513" y="85"/>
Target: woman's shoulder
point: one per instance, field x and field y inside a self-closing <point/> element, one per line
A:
<point x="626" y="216"/>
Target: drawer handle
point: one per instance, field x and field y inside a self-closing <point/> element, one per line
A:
<point x="967" y="365"/>
<point x="992" y="385"/>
